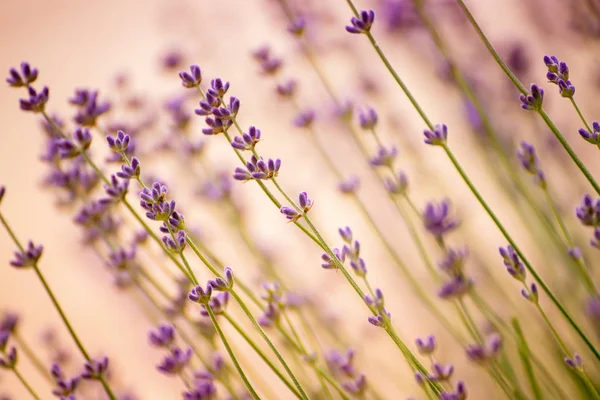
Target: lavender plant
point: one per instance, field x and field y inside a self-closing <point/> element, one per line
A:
<point x="139" y="184"/>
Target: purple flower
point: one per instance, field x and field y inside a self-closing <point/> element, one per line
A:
<point x="176" y="361"/>
<point x="223" y="284"/>
<point x="437" y="137"/>
<point x="437" y="218"/>
<point x="591" y="137"/>
<point x="95" y="369"/>
<point x="218" y="88"/>
<point x="297" y="26"/>
<point x="36" y="101"/>
<point x="9" y="359"/>
<point x="248" y="140"/>
<point x="482" y="353"/>
<point x="200" y="295"/>
<point x="304" y="205"/>
<point x="532" y="101"/>
<point x="329" y="262"/>
<point x="305" y="119"/>
<point x="121" y="259"/>
<point x="460" y="393"/>
<point x="27" y="257"/>
<point x="454" y="262"/>
<point x="589" y="211"/>
<point x="193" y="78"/>
<point x="287" y="89"/>
<point x="228" y="112"/>
<point x="130" y="171"/>
<point x="368" y="119"/>
<point x="558" y="73"/>
<point x="64" y="386"/>
<point x="455" y="288"/>
<point x="216" y="125"/>
<point x="426" y="346"/>
<point x="116" y="191"/>
<point x="575" y="362"/>
<point x="89" y="109"/>
<point x="531" y="294"/>
<point x="363" y="23"/>
<point x="204" y="389"/>
<point x="397" y="184"/>
<point x="441" y="372"/>
<point x="513" y="264"/>
<point x="9" y="322"/>
<point x="163" y="336"/>
<point x="349" y="185"/>
<point x="25" y="77"/>
<point x="118" y="143"/>
<point x="384" y="157"/>
<point x="530" y="162"/>
<point x="175" y="244"/>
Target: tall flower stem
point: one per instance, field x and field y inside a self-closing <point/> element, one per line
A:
<point x="57" y="306"/>
<point x="526" y="356"/>
<point x="524" y="90"/>
<point x="475" y="192"/>
<point x="26" y="384"/>
<point x="580" y="114"/>
<point x="238" y="367"/>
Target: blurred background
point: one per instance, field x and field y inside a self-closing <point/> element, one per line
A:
<point x="133" y="50"/>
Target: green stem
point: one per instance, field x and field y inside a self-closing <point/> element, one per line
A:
<point x="262" y="355"/>
<point x="269" y="343"/>
<point x="239" y="369"/>
<point x="25" y="383"/>
<point x="526" y="356"/>
<point x="587" y="126"/>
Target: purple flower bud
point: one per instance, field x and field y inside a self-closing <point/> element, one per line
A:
<point x="534" y="100"/>
<point x="513" y="264"/>
<point x="200" y="295"/>
<point x="363" y="23"/>
<point x="575" y="362"/>
<point x="248" y="140"/>
<point x="176" y="244"/>
<point x="384" y="157"/>
<point x="118" y="143"/>
<point x="223" y="284"/>
<point x="305" y="119"/>
<point x="437" y="137"/>
<point x="297" y="26"/>
<point x="589" y="211"/>
<point x="26" y="76"/>
<point x="163" y="336"/>
<point x="116" y="191"/>
<point x="193" y="78"/>
<point x="530" y="162"/>
<point x="329" y="262"/>
<point x="37" y="101"/>
<point x="368" y="119"/>
<point x="218" y="88"/>
<point x="359" y="267"/>
<point x="437" y="219"/>
<point x="287" y="89"/>
<point x="218" y="304"/>
<point x="346" y="234"/>
<point x="130" y="171"/>
<point x="398" y="184"/>
<point x="531" y="294"/>
<point x="176" y="361"/>
<point x="591" y="137"/>
<point x="9" y="359"/>
<point x="28" y="257"/>
<point x="95" y="369"/>
<point x="455" y="288"/>
<point x="349" y="185"/>
<point x="441" y="372"/>
<point x="454" y="262"/>
<point x="426" y="346"/>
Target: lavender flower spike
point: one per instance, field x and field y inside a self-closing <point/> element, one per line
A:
<point x="530" y="162"/>
<point x="437" y="137"/>
<point x="304" y="203"/>
<point x="437" y="218"/>
<point x="176" y="361"/>
<point x="37" y="100"/>
<point x="95" y="369"/>
<point x="368" y="119"/>
<point x="164" y="336"/>
<point x="363" y="23"/>
<point x="558" y="73"/>
<point x="513" y="264"/>
<point x="28" y="257"/>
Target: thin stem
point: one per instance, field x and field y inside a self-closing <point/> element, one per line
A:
<point x="239" y="369"/>
<point x="587" y="126"/>
<point x="262" y="355"/>
<point x="269" y="343"/>
<point x="526" y="356"/>
<point x="25" y="383"/>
